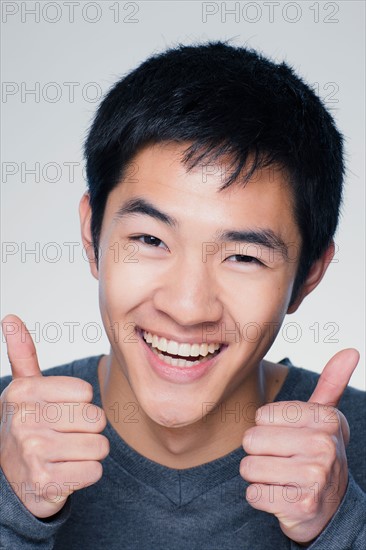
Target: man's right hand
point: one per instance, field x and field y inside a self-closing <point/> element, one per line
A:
<point x="50" y="435"/>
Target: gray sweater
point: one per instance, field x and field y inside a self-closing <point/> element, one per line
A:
<point x="139" y="504"/>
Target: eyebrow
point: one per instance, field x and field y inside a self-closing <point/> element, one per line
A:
<point x="262" y="237"/>
<point x="138" y="205"/>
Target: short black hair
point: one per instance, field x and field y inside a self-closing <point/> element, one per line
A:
<point x="222" y="99"/>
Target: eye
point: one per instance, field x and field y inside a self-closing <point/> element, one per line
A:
<point x="149" y="240"/>
<point x="242" y="258"/>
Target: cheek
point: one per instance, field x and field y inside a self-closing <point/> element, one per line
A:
<point x="260" y="303"/>
<point x="124" y="281"/>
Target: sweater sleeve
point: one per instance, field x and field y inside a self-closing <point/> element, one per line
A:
<point x="20" y="528"/>
<point x="347" y="528"/>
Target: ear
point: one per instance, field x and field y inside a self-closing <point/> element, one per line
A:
<point x="85" y="218"/>
<point x="314" y="277"/>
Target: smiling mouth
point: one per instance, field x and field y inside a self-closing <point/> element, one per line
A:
<point x="199" y="358"/>
<point x="179" y="360"/>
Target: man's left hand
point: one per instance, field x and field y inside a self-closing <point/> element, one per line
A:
<point x="296" y="463"/>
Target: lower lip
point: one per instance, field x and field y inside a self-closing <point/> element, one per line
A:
<point x="178" y="374"/>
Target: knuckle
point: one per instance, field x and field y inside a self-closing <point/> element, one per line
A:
<point x="245" y="467"/>
<point x="17" y="425"/>
<point x="330" y="417"/>
<point x="316" y="474"/>
<point x="81" y="390"/>
<point x="321" y="442"/>
<point x="104" y="446"/>
<point x="33" y="447"/>
<point x="262" y="413"/>
<point x="103" y="419"/>
<point x="248" y="439"/>
<point x="37" y="477"/>
<point x="16" y="390"/>
<point x="337" y="413"/>
<point x="96" y="472"/>
<point x="309" y="506"/>
<point x="87" y="390"/>
<point x="92" y="414"/>
<point x="42" y="477"/>
<point x="337" y="422"/>
<point x="327" y="448"/>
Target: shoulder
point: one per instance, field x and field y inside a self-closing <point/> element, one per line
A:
<point x="84" y="368"/>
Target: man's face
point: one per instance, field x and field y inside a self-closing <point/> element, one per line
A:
<point x="183" y="283"/>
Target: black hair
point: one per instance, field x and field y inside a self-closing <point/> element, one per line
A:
<point x="223" y="100"/>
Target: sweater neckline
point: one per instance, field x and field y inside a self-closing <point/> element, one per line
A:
<point x="178" y="485"/>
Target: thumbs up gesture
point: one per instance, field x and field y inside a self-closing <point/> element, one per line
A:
<point x="296" y="463"/>
<point x="50" y="431"/>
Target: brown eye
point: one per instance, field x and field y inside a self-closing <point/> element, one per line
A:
<point x="149" y="240"/>
<point x="242" y="258"/>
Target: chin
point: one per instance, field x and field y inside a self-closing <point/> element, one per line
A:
<point x="170" y="417"/>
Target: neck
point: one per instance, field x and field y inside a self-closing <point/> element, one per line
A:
<point x="192" y="445"/>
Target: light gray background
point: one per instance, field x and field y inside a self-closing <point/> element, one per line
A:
<point x="90" y="49"/>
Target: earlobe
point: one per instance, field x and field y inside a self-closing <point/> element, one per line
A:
<point x="314" y="277"/>
<point x="86" y="235"/>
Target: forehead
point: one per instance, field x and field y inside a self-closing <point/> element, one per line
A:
<point x="158" y="174"/>
<point x="169" y="156"/>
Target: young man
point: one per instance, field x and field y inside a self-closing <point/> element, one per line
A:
<point x="215" y="180"/>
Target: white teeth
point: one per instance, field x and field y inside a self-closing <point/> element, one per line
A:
<point x="175" y="348"/>
<point x="163" y="344"/>
<point x="184" y="349"/>
<point x="195" y="350"/>
<point x="172" y="347"/>
<point x="175" y="362"/>
<point x="204" y="349"/>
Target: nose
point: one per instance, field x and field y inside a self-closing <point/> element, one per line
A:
<point x="188" y="293"/>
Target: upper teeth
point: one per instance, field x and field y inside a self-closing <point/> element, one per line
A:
<point x="175" y="348"/>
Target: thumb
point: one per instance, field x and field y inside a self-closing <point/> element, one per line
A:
<point x="21" y="349"/>
<point x="335" y="377"/>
